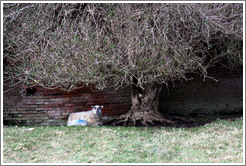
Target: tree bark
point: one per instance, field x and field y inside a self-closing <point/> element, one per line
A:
<point x="144" y="108"/>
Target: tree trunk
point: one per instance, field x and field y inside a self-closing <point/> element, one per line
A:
<point x="145" y="104"/>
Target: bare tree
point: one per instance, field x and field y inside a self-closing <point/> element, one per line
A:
<point x="116" y="45"/>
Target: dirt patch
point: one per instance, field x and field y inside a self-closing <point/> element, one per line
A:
<point x="183" y="121"/>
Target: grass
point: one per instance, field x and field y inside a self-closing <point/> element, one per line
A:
<point x="218" y="142"/>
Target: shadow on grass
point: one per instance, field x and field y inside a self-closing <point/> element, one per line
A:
<point x="185" y="121"/>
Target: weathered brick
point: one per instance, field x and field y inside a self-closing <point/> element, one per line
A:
<point x="43" y="117"/>
<point x="30" y="102"/>
<point x="51" y="111"/>
<point x="21" y="109"/>
<point x="69" y="110"/>
<point x="21" y="115"/>
<point x="14" y="112"/>
<point x="65" y="113"/>
<point x="69" y="104"/>
<point x="38" y="120"/>
<point x="57" y="104"/>
<point x="33" y="106"/>
<point x="39" y="109"/>
<point x="39" y="102"/>
<point x="61" y="110"/>
<point x="16" y="118"/>
<point x="63" y="117"/>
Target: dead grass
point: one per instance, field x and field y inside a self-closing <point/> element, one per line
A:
<point x="217" y="142"/>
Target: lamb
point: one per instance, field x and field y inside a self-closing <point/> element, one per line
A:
<point x="87" y="118"/>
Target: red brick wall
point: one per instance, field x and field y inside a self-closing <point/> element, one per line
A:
<point x="52" y="107"/>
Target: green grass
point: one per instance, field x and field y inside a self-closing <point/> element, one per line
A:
<point x="217" y="142"/>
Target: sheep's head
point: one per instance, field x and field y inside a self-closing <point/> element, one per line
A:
<point x="97" y="109"/>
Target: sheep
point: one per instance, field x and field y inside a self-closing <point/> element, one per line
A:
<point x="87" y="118"/>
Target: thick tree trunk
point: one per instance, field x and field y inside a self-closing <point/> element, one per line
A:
<point x="144" y="108"/>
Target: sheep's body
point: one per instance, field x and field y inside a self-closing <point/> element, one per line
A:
<point x="90" y="118"/>
<point x="79" y="122"/>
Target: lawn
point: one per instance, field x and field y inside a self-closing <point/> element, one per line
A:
<point x="220" y="141"/>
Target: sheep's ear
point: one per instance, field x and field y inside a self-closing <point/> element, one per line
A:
<point x="92" y="106"/>
<point x="101" y="106"/>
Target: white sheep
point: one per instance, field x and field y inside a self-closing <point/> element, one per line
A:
<point x="87" y="118"/>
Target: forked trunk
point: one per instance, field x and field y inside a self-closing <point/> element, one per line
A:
<point x="145" y="104"/>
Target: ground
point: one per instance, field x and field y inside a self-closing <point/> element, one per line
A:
<point x="215" y="140"/>
<point x="184" y="121"/>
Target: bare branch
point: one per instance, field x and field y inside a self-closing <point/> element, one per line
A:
<point x="109" y="44"/>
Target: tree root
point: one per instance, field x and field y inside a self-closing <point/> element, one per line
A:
<point x="144" y="117"/>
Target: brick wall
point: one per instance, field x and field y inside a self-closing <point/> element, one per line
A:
<point x="52" y="107"/>
<point x="205" y="97"/>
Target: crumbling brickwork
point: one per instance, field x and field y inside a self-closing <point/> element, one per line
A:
<point x="52" y="107"/>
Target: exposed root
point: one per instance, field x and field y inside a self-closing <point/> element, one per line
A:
<point x="144" y="117"/>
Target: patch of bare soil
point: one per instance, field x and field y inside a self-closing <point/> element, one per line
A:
<point x="183" y="121"/>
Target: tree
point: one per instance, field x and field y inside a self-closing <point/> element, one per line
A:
<point x="115" y="45"/>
